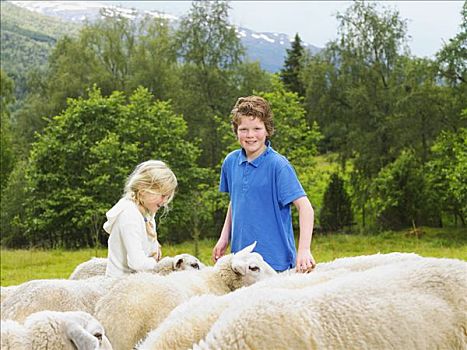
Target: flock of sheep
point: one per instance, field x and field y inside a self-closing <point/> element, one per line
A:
<point x="381" y="301"/>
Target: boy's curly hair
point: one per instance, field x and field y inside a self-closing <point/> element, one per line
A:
<point x="253" y="106"/>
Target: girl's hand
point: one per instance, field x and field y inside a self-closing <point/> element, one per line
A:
<point x="157" y="255"/>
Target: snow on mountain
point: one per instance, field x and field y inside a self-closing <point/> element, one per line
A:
<point x="268" y="48"/>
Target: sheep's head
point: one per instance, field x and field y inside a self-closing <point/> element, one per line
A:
<point x="244" y="268"/>
<point x="68" y="330"/>
<point x="186" y="262"/>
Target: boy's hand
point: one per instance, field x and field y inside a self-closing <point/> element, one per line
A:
<point x="305" y="262"/>
<point x="219" y="249"/>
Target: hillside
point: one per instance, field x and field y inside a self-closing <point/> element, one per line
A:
<point x="26" y="40"/>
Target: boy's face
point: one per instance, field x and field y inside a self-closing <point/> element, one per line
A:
<point x="252" y="135"/>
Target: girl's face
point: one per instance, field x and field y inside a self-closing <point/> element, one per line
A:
<point x="252" y="135"/>
<point x="153" y="200"/>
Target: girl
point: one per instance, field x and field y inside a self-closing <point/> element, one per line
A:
<point x="133" y="244"/>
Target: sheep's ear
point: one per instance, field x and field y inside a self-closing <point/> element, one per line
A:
<point x="247" y="249"/>
<point x="178" y="263"/>
<point x="80" y="337"/>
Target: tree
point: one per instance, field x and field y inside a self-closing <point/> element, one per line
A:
<point x="353" y="87"/>
<point x="401" y="196"/>
<point x="211" y="51"/>
<point x="79" y="164"/>
<point x="447" y="172"/>
<point x="7" y="152"/>
<point x="336" y="211"/>
<point x="452" y="57"/>
<point x="154" y="61"/>
<point x="423" y="108"/>
<point x="452" y="71"/>
<point x="113" y="53"/>
<point x="290" y="74"/>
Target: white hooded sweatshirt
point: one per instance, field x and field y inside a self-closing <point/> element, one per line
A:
<point x="129" y="245"/>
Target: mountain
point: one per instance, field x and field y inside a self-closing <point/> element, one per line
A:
<point x="27" y="38"/>
<point x="266" y="47"/>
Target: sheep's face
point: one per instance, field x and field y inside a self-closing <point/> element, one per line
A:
<point x="251" y="268"/>
<point x="187" y="262"/>
<point x="68" y="330"/>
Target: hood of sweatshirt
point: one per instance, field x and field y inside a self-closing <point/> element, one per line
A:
<point x="114" y="212"/>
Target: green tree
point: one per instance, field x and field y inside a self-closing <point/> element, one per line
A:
<point x="336" y="211"/>
<point x="447" y="172"/>
<point x="400" y="194"/>
<point x="79" y="164"/>
<point x="452" y="58"/>
<point x="423" y="108"/>
<point x="353" y="87"/>
<point x="290" y="74"/>
<point x="452" y="69"/>
<point x="113" y="53"/>
<point x="6" y="143"/>
<point x="210" y="50"/>
<point x="154" y="62"/>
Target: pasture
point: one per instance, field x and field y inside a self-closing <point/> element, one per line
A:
<point x="18" y="266"/>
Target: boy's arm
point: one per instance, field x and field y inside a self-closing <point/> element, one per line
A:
<point x="305" y="260"/>
<point x="223" y="242"/>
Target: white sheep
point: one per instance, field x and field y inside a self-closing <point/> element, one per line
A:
<point x="168" y="264"/>
<point x="69" y="295"/>
<point x="189" y="322"/>
<point x="140" y="302"/>
<point x="93" y="267"/>
<point x="418" y="304"/>
<point x="54" y="331"/>
<point x="5" y="292"/>
<point x="55" y="295"/>
<point x="364" y="262"/>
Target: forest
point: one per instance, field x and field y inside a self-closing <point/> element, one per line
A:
<point x="377" y="136"/>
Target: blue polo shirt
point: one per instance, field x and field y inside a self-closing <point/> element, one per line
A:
<point x="261" y="193"/>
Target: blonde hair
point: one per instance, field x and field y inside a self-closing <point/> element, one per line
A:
<point x="151" y="175"/>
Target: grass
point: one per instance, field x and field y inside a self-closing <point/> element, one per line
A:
<point x="18" y="266"/>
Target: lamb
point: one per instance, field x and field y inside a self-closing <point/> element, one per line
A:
<point x="53" y="331"/>
<point x="189" y="322"/>
<point x="140" y="302"/>
<point x="168" y="264"/>
<point x="419" y="304"/>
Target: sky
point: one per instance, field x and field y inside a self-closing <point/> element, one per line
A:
<point x="430" y="23"/>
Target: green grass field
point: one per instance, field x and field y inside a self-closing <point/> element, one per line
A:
<point x="18" y="266"/>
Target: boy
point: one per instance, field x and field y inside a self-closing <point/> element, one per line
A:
<point x="262" y="186"/>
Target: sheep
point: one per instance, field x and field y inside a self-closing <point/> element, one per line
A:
<point x="69" y="295"/>
<point x="189" y="322"/>
<point x="55" y="295"/>
<point x="53" y="331"/>
<point x="90" y="268"/>
<point x="140" y="302"/>
<point x="168" y="264"/>
<point x="364" y="262"/>
<point x="6" y="292"/>
<point x="419" y="304"/>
